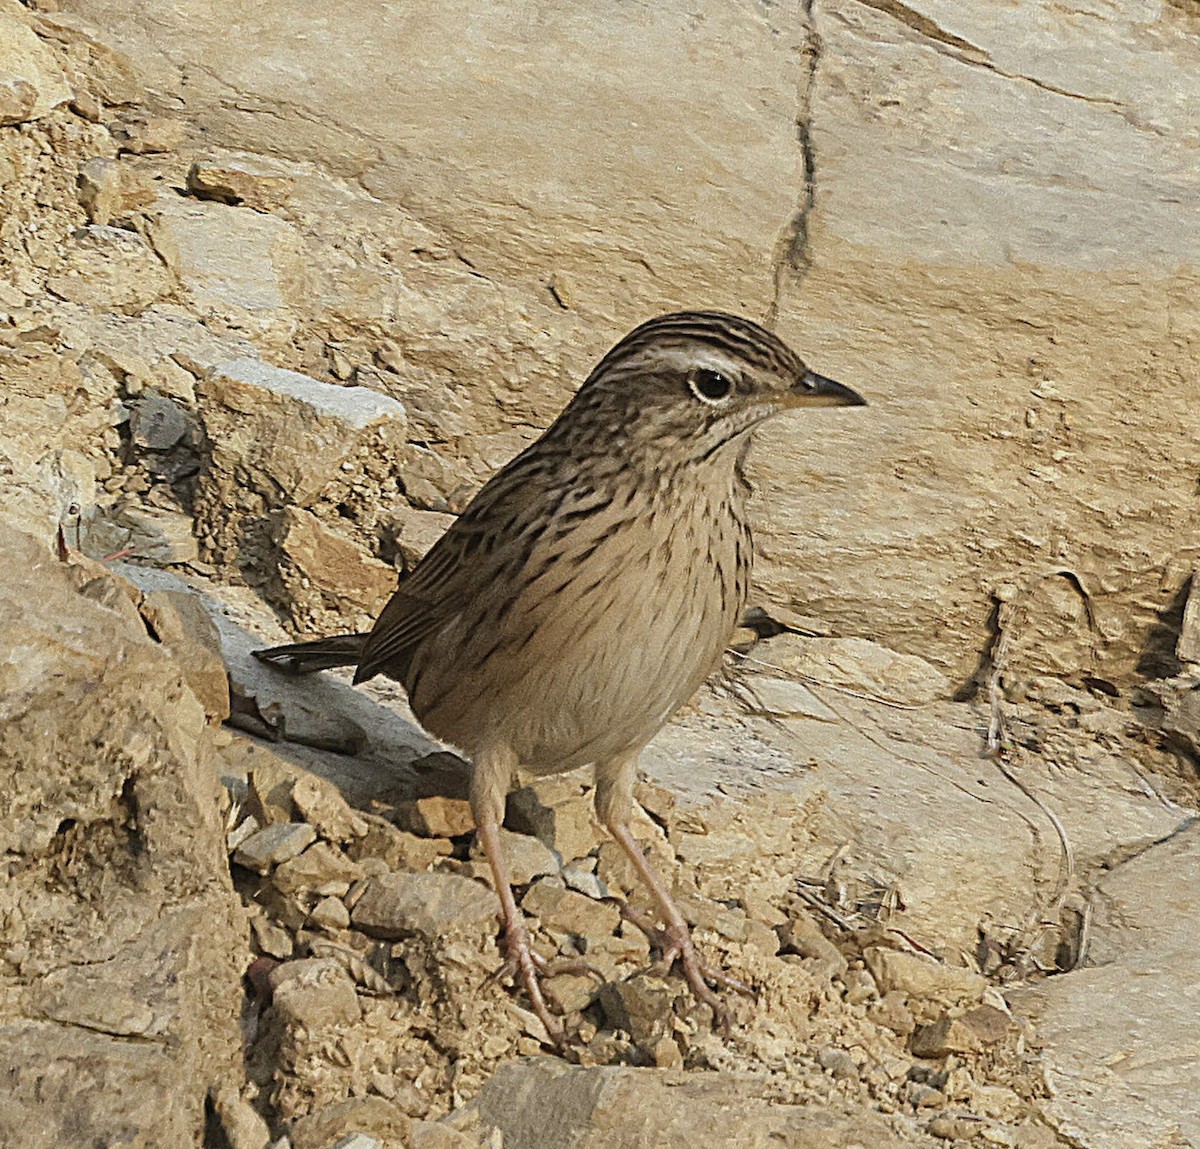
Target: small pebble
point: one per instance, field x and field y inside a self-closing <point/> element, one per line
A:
<point x="356" y="1141"/>
<point x="330" y="914"/>
<point x="838" y="1063"/>
<point x="585" y="882"/>
<point x="274" y="844"/>
<point x="241" y="832"/>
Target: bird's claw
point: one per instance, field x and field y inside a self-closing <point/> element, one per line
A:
<point x="676" y="945"/>
<point x="523" y="964"/>
<point x="701" y="976"/>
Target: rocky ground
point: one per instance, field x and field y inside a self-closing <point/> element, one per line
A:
<point x="255" y="355"/>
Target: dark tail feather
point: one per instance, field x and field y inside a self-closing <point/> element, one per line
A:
<point x="309" y="657"/>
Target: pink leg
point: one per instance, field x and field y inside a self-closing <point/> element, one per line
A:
<point x="677" y="936"/>
<point x="523" y="963"/>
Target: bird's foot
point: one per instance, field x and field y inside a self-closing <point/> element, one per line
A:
<point x="700" y="975"/>
<point x="525" y="965"/>
<point x="676" y="945"/>
<point x="546" y="967"/>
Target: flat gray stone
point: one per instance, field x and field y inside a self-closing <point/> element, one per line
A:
<point x="271" y="845"/>
<point x="397" y="905"/>
<point x="527" y="857"/>
<point x="1119" y="1035"/>
<point x="356" y="1141"/>
<point x="356" y="407"/>
<point x="612" y="1107"/>
<point x="586" y="882"/>
<point x="322" y="868"/>
<point x="157" y="423"/>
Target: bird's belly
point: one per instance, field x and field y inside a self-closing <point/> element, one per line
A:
<point x="610" y="691"/>
<point x="590" y="672"/>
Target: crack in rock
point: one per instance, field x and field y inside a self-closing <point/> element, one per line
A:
<point x="971" y="54"/>
<point x="792" y="255"/>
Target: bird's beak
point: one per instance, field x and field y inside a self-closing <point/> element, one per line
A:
<point x="815" y="390"/>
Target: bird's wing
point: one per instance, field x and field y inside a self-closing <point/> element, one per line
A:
<point x="432" y="596"/>
<point x="484" y="542"/>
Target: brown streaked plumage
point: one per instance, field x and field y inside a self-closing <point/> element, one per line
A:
<point x="592" y="585"/>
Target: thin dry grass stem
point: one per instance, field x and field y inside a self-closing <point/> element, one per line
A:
<point x="1150" y="790"/>
<point x="822" y="907"/>
<point x="892" y="750"/>
<point x="1001" y="751"/>
<point x="816" y="682"/>
<point x="999" y="747"/>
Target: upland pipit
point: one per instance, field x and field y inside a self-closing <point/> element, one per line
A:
<point x="591" y="587"/>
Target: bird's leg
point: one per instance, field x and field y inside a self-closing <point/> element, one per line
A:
<point x="523" y="962"/>
<point x="490" y="778"/>
<point x="614" y="805"/>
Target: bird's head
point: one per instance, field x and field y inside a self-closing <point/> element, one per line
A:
<point x="698" y="380"/>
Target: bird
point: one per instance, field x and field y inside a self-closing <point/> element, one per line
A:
<point x="589" y="589"/>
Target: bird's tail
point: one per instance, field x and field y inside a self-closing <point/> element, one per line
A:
<point x="309" y="657"/>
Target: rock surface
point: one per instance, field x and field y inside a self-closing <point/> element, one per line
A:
<point x="1123" y="1082"/>
<point x="123" y="937"/>
<point x="431" y="904"/>
<point x="1009" y="234"/>
<point x="605" y="1108"/>
<point x="31" y="80"/>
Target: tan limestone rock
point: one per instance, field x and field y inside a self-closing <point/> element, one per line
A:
<point x="31" y="81"/>
<point x="129" y="927"/>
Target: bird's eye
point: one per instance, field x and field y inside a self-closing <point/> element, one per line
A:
<point x="710" y="386"/>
